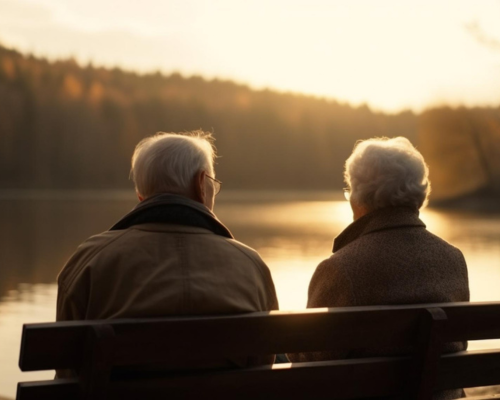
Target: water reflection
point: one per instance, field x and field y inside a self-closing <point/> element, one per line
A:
<point x="29" y="303"/>
<point x="291" y="236"/>
<point x="293" y="233"/>
<point x="478" y="236"/>
<point x="38" y="236"/>
<point x="475" y="231"/>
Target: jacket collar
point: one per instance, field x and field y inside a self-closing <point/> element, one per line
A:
<point x="378" y="220"/>
<point x="173" y="209"/>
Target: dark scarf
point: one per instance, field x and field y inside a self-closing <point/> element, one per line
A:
<point x="173" y="209"/>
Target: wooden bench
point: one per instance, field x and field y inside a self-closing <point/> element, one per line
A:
<point x="95" y="347"/>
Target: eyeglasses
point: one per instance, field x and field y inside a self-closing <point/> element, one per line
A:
<point x="347" y="193"/>
<point x="217" y="184"/>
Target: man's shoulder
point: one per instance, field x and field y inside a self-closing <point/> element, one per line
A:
<point x="244" y="256"/>
<point x="241" y="246"/>
<point x="245" y="249"/>
<point x="84" y="254"/>
<point x="94" y="244"/>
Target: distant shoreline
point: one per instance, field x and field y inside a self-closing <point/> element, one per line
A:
<point x="239" y="195"/>
<point x="67" y="194"/>
<point x="478" y="202"/>
<point x="481" y="201"/>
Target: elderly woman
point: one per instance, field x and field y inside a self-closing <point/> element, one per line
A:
<point x="386" y="256"/>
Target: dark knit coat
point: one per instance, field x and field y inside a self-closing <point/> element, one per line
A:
<point x="387" y="257"/>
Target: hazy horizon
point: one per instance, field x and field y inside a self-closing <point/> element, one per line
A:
<point x="387" y="54"/>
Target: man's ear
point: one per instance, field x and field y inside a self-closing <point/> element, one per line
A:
<point x="139" y="196"/>
<point x="199" y="187"/>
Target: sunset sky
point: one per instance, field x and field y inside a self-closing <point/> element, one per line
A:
<point x="391" y="54"/>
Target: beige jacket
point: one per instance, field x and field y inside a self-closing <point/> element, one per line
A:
<point x="155" y="269"/>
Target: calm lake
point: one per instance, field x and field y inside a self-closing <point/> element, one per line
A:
<point x="292" y="231"/>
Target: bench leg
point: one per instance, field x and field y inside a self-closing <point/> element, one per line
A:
<point x="429" y="348"/>
<point x="97" y="362"/>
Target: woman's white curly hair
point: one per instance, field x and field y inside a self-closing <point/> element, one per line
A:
<point x="383" y="172"/>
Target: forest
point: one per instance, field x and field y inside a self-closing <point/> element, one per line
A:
<point x="69" y="126"/>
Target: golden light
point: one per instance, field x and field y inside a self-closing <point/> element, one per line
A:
<point x="389" y="54"/>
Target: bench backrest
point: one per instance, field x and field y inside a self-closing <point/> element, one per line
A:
<point x="95" y="347"/>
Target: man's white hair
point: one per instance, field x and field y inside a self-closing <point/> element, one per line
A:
<point x="384" y="172"/>
<point x="168" y="162"/>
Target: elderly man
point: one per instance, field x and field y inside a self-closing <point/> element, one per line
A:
<point x="170" y="255"/>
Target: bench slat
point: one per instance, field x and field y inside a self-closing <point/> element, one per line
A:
<point x="60" y="389"/>
<point x="381" y="376"/>
<point x="350" y="378"/>
<point x="155" y="340"/>
<point x="469" y="369"/>
<point x="472" y="321"/>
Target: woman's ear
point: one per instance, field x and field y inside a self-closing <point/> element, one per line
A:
<point x="199" y="187"/>
<point x="358" y="210"/>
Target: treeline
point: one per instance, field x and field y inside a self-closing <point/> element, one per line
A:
<point x="63" y="125"/>
<point x="462" y="148"/>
